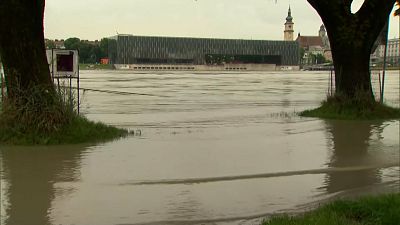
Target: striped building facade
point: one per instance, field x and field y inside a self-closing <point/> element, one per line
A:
<point x="129" y="49"/>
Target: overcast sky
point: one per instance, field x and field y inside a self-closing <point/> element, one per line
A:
<point x="245" y="19"/>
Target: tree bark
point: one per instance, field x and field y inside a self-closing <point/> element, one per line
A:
<point x="352" y="37"/>
<point x="22" y="46"/>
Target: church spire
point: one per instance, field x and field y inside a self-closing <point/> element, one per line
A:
<point x="289" y="26"/>
<point x="289" y="18"/>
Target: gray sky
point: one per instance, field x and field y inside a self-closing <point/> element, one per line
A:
<point x="246" y="19"/>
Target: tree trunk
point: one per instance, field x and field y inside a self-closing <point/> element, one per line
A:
<point x="22" y="46"/>
<point x="352" y="69"/>
<point x="352" y="37"/>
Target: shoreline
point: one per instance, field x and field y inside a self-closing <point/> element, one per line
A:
<point x="204" y="68"/>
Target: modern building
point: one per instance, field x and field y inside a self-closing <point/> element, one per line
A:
<point x="185" y="53"/>
<point x="143" y="52"/>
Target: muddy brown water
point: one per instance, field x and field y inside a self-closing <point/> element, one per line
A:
<point x="209" y="149"/>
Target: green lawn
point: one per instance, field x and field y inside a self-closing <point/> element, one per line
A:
<point x="380" y="210"/>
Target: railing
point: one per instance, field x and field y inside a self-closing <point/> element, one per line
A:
<point x="377" y="83"/>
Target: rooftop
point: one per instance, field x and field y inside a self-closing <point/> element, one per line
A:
<point x="307" y="41"/>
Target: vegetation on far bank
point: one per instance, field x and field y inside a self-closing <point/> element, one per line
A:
<point x="352" y="109"/>
<point x="96" y="67"/>
<point x="378" y="210"/>
<point x="89" y="51"/>
<point x="47" y="119"/>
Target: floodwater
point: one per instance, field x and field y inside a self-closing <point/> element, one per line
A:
<point x="223" y="149"/>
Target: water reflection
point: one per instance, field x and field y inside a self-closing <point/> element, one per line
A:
<point x="286" y="101"/>
<point x="185" y="205"/>
<point x="352" y="147"/>
<point x="28" y="179"/>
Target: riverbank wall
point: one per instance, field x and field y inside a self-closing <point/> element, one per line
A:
<point x="225" y="67"/>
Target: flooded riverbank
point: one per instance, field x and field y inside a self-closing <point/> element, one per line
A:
<point x="210" y="149"/>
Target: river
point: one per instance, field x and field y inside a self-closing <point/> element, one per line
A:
<point x="223" y="149"/>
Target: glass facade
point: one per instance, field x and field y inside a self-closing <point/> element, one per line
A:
<point x="129" y="49"/>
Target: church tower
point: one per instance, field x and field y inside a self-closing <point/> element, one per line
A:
<point x="322" y="31"/>
<point x="324" y="37"/>
<point x="289" y="27"/>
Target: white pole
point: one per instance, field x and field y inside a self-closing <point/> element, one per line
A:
<point x="2" y="83"/>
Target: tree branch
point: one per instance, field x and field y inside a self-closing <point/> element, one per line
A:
<point x="334" y="13"/>
<point x="346" y="6"/>
<point x="322" y="7"/>
<point x="376" y="6"/>
<point x="374" y="14"/>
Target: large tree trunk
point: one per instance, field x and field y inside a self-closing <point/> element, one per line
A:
<point x="352" y="37"/>
<point x="22" y="46"/>
<point x="352" y="67"/>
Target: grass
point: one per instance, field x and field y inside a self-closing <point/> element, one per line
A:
<point x="78" y="130"/>
<point x="379" y="210"/>
<point x="96" y="66"/>
<point x="40" y="118"/>
<point x="337" y="108"/>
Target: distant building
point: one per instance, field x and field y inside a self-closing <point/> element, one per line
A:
<point x="153" y="53"/>
<point x="94" y="43"/>
<point x="325" y="40"/>
<point x="314" y="46"/>
<point x="57" y="44"/>
<point x="104" y="61"/>
<point x="134" y="51"/>
<point x="289" y="27"/>
<point x="393" y="53"/>
<point x="309" y="41"/>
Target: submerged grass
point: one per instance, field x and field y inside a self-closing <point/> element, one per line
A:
<point x="379" y="210"/>
<point x="39" y="118"/>
<point x="77" y="130"/>
<point x="344" y="109"/>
